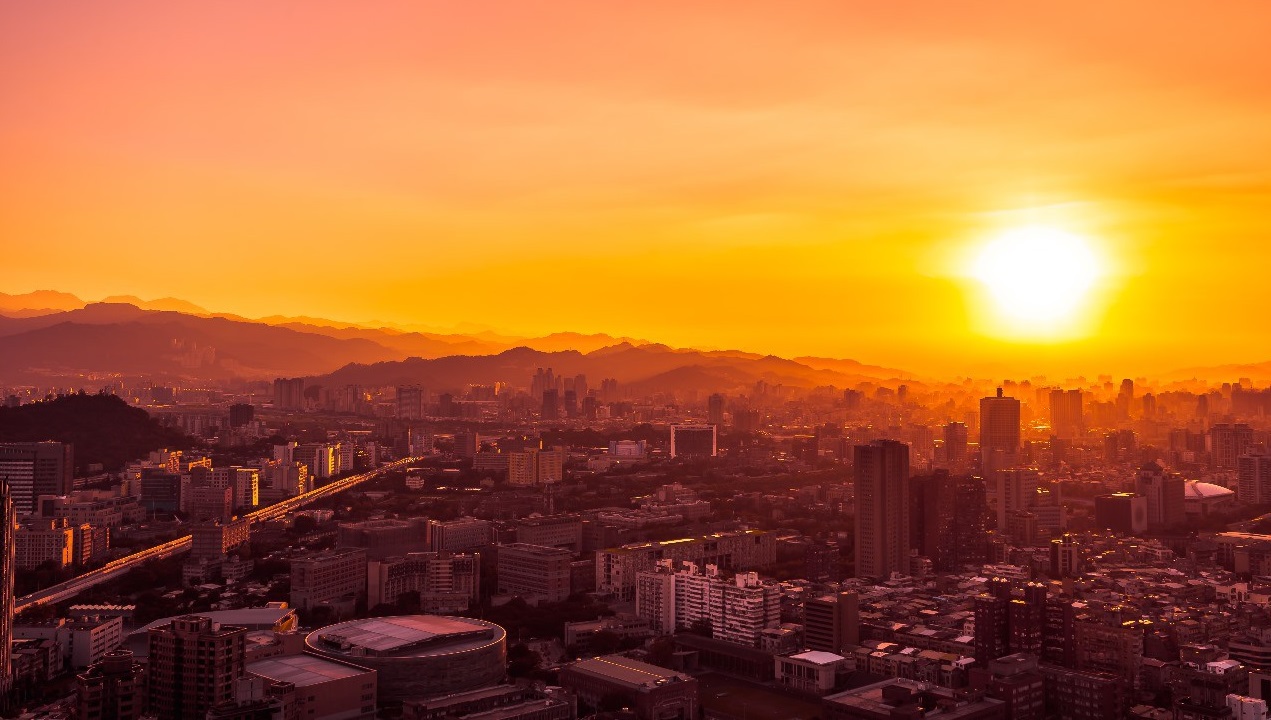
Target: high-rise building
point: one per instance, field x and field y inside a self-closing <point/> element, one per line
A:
<point x="551" y="404"/>
<point x="244" y="482"/>
<point x="999" y="432"/>
<point x="289" y="393"/>
<point x="930" y="513"/>
<point x="693" y="441"/>
<point x="882" y="508"/>
<point x="1254" y="474"/>
<point x="410" y="402"/>
<point x="113" y="688"/>
<point x="955" y="444"/>
<point x="32" y="469"/>
<point x="523" y="468"/>
<point x="551" y="465"/>
<point x="1067" y="420"/>
<point x="534" y="466"/>
<point x="194" y="663"/>
<point x="715" y="409"/>
<point x="970" y="525"/>
<point x="1165" y="495"/>
<point x="1016" y="492"/>
<point x="1228" y="442"/>
<point x="7" y="524"/>
<point x="1125" y="399"/>
<point x="832" y="623"/>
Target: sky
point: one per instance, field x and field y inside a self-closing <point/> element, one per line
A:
<point x="797" y="178"/>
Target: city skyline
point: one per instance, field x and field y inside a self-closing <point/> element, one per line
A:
<point x="822" y="181"/>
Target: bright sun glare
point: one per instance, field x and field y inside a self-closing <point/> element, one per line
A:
<point x="1037" y="276"/>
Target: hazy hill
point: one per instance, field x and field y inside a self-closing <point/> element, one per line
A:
<point x="649" y="367"/>
<point x="38" y="302"/>
<point x="106" y="338"/>
<point x="183" y="341"/>
<point x="103" y="428"/>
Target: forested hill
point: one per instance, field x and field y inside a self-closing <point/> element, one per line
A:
<point x="103" y="428"/>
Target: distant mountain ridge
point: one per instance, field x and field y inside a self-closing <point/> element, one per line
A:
<point x="174" y="340"/>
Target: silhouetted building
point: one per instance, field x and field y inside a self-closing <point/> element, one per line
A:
<point x="999" y="432"/>
<point x="241" y="414"/>
<point x="1124" y="513"/>
<point x="8" y="522"/>
<point x="289" y="393"/>
<point x="1067" y="419"/>
<point x="955" y="444"/>
<point x="715" y="409"/>
<point x="693" y="441"/>
<point x="882" y="508"/>
<point x="551" y="404"/>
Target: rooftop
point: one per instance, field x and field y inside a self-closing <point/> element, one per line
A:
<point x="818" y="657"/>
<point x="405" y="636"/>
<point x="626" y="671"/>
<point x="303" y="670"/>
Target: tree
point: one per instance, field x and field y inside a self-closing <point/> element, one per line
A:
<point x="605" y="642"/>
<point x="522" y="661"/>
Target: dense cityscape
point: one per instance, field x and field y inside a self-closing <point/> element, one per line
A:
<point x="542" y="547"/>
<point x="577" y="360"/>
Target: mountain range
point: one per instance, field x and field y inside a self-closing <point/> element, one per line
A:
<point x="55" y="338"/>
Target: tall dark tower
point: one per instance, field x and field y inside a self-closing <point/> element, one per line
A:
<point x="882" y="508"/>
<point x="999" y="432"/>
<point x="9" y="520"/>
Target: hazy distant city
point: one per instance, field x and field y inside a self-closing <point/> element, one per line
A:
<point x="629" y="530"/>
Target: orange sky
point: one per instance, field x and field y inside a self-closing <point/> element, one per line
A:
<point x="790" y="178"/>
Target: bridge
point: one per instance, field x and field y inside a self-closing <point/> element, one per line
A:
<point x="172" y="548"/>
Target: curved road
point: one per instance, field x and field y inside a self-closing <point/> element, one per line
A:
<point x="116" y="568"/>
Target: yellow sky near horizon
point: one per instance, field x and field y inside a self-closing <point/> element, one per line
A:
<point x="807" y="179"/>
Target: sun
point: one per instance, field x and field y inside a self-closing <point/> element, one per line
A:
<point x="1039" y="278"/>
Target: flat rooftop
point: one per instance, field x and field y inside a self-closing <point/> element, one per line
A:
<point x="626" y="671"/>
<point x="406" y="635"/>
<point x="303" y="669"/>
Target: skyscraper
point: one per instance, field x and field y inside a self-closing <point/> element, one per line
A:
<point x="1067" y="421"/>
<point x="881" y="470"/>
<point x="1228" y="442"/>
<point x="32" y="469"/>
<point x="999" y="432"/>
<point x="955" y="444"/>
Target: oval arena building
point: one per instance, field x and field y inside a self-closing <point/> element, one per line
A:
<point x="418" y="656"/>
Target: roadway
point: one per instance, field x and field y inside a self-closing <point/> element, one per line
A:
<point x="172" y="548"/>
